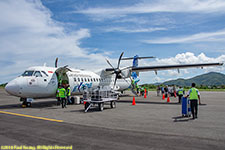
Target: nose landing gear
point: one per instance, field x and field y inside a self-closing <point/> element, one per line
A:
<point x="25" y="102"/>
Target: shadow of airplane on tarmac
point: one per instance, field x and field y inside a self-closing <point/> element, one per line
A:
<point x="34" y="105"/>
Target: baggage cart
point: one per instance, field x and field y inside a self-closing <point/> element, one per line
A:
<point x="186" y="109"/>
<point x="99" y="97"/>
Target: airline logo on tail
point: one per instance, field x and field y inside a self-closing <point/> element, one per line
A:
<point x="134" y="75"/>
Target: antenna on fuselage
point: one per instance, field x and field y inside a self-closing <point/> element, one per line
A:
<point x="56" y="62"/>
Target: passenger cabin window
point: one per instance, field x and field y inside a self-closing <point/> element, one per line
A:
<point x="37" y="74"/>
<point x="28" y="73"/>
<point x="44" y="73"/>
<point x="78" y="79"/>
<point x="75" y="80"/>
<point x="88" y="79"/>
<point x="94" y="79"/>
<point x="85" y="79"/>
<point x="82" y="79"/>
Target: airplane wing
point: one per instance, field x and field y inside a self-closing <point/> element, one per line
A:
<point x="167" y="67"/>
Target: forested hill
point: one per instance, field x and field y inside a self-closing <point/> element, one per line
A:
<point x="212" y="78"/>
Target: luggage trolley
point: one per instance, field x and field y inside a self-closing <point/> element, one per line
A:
<point x="99" y="97"/>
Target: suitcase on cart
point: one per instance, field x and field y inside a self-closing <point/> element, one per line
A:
<point x="186" y="109"/>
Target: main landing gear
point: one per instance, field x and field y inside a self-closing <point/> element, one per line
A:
<point x="25" y="103"/>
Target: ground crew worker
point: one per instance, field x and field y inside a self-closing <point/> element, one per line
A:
<point x="180" y="93"/>
<point x="62" y="95"/>
<point x="57" y="96"/>
<point x="68" y="93"/>
<point x="142" y="91"/>
<point x="194" y="97"/>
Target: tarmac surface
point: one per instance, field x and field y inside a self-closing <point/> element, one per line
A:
<point x="151" y="124"/>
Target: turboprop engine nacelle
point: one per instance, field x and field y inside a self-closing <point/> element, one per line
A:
<point x="126" y="73"/>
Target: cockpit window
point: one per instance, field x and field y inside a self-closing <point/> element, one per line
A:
<point x="28" y="73"/>
<point x="37" y="74"/>
<point x="44" y="73"/>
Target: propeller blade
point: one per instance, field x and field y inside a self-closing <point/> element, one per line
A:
<point x="115" y="82"/>
<point x="109" y="63"/>
<point x="56" y="62"/>
<point x="119" y="60"/>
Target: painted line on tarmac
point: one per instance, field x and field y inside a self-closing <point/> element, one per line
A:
<point x="29" y="116"/>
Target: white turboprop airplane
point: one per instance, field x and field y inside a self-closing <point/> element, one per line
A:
<point x="42" y="82"/>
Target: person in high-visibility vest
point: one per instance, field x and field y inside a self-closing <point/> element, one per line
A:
<point x="57" y="96"/>
<point x="194" y="96"/>
<point x="68" y="93"/>
<point x="180" y="93"/>
<point x="62" y="95"/>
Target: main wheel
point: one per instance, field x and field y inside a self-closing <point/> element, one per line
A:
<point x="101" y="106"/>
<point x="113" y="104"/>
<point x="28" y="104"/>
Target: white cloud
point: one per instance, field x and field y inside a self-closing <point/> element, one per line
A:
<point x="189" y="58"/>
<point x="134" y="30"/>
<point x="29" y="36"/>
<point x="200" y="37"/>
<point x="183" y="58"/>
<point x="188" y="6"/>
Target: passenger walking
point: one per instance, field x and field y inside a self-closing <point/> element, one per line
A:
<point x="166" y="91"/>
<point x="162" y="90"/>
<point x="158" y="90"/>
<point x="194" y="97"/>
<point x="62" y="95"/>
<point x="180" y="93"/>
<point x="174" y="91"/>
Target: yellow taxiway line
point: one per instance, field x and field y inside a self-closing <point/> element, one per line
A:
<point x="29" y="116"/>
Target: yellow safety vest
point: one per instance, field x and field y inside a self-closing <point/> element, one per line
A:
<point x="62" y="93"/>
<point x="180" y="92"/>
<point x="68" y="91"/>
<point x="193" y="94"/>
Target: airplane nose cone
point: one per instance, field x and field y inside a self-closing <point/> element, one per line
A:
<point x="12" y="88"/>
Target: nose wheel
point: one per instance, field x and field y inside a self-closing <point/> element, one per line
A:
<point x="25" y="103"/>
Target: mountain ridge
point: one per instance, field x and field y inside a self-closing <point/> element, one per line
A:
<point x="208" y="79"/>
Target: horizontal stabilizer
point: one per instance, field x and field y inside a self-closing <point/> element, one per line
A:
<point x="129" y="58"/>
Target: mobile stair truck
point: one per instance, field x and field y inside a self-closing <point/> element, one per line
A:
<point x="99" y="97"/>
<point x="186" y="109"/>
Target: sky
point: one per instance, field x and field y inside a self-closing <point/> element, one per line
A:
<point x="83" y="33"/>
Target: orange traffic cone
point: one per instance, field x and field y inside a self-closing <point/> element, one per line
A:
<point x="145" y="96"/>
<point x="168" y="99"/>
<point x="133" y="103"/>
<point x="163" y="96"/>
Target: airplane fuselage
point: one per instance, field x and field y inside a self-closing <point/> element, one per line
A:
<point x="42" y="82"/>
